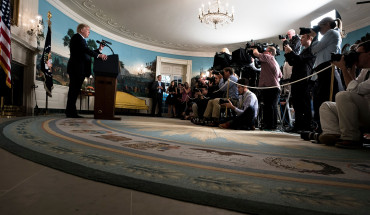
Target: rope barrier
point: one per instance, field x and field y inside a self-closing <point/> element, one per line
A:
<point x="283" y="85"/>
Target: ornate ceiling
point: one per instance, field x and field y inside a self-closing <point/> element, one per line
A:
<point x="173" y="26"/>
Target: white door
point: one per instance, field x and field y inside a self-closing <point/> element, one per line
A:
<point x="169" y="73"/>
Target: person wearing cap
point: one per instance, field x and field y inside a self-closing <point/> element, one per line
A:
<point x="330" y="43"/>
<point x="300" y="95"/>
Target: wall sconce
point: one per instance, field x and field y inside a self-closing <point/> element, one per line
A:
<point x="37" y="29"/>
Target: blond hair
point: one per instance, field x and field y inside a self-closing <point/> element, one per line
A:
<point x="81" y="26"/>
<point x="334" y="23"/>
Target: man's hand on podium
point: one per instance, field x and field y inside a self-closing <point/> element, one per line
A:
<point x="103" y="56"/>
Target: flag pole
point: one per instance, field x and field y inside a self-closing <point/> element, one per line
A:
<point x="46" y="93"/>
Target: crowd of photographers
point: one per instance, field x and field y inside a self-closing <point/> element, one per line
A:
<point x="329" y="91"/>
<point x="209" y="98"/>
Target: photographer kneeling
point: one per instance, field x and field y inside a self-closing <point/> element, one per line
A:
<point x="341" y="120"/>
<point x="246" y="110"/>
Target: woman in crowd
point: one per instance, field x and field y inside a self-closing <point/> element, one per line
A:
<point x="185" y="96"/>
<point x="330" y="43"/>
<point x="171" y="99"/>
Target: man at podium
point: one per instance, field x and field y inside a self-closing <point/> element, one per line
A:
<point x="79" y="66"/>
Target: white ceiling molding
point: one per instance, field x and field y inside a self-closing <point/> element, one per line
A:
<point x="173" y="27"/>
<point x="357" y="25"/>
<point x="79" y="19"/>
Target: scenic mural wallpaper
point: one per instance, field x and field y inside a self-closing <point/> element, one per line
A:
<point x="138" y="65"/>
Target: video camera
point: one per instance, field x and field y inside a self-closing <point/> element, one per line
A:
<point x="221" y="60"/>
<point x="261" y="47"/>
<point x="350" y="58"/>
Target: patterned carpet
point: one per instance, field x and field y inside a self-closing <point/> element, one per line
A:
<point x="247" y="171"/>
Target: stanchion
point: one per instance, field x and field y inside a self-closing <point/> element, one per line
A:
<point x="332" y="82"/>
<point x="46" y="104"/>
<point x="2" y="106"/>
<point x="227" y="95"/>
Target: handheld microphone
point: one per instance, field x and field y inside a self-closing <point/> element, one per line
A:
<point x="103" y="42"/>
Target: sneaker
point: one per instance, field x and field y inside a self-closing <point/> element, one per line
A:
<point x="329" y="139"/>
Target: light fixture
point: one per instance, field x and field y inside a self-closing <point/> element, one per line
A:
<point x="36" y="28"/>
<point x="216" y="14"/>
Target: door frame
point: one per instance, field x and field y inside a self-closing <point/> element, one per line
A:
<point x="186" y="63"/>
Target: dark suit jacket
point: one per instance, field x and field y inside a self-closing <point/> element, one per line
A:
<point x="79" y="64"/>
<point x="155" y="90"/>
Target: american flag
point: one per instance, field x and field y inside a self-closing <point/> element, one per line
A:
<point x="46" y="64"/>
<point x="5" y="49"/>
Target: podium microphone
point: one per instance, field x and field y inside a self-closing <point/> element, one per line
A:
<point x="104" y="42"/>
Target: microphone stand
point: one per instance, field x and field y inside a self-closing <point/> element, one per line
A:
<point x="109" y="48"/>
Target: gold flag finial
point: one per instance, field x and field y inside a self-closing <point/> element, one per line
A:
<point x="49" y="17"/>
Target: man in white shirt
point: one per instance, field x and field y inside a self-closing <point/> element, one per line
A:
<point x="246" y="110"/>
<point x="341" y="120"/>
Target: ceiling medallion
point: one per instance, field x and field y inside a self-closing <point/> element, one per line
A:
<point x="216" y="14"/>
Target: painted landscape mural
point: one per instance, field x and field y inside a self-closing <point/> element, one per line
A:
<point x="138" y="65"/>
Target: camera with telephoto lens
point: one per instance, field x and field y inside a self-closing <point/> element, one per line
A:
<point x="303" y="31"/>
<point x="350" y="58"/>
<point x="309" y="135"/>
<point x="223" y="101"/>
<point x="294" y="40"/>
<point x="283" y="37"/>
<point x="211" y="79"/>
<point x="285" y="42"/>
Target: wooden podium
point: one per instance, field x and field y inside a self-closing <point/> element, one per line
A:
<point x="105" y="87"/>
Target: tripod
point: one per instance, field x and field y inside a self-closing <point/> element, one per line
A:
<point x="286" y="114"/>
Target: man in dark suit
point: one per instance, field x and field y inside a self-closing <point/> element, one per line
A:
<point x="158" y="88"/>
<point x="79" y="66"/>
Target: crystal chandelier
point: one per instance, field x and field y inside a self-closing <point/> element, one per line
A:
<point x="216" y="14"/>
